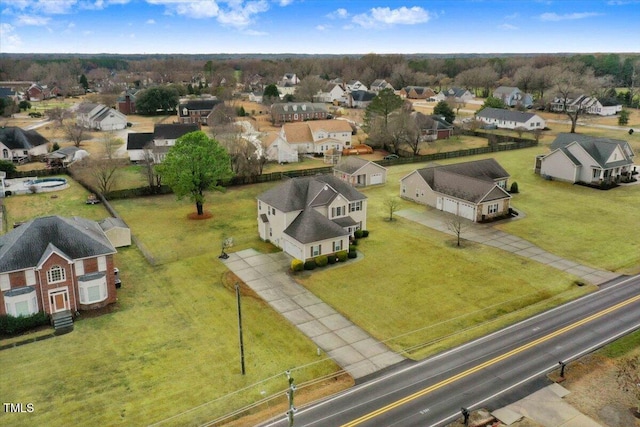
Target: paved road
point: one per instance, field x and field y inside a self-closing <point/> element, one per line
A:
<point x="491" y="372"/>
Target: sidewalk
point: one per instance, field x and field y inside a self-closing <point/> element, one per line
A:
<point x="487" y="235"/>
<point x="350" y="347"/>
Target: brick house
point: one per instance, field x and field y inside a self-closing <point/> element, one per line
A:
<point x="56" y="264"/>
<point x="298" y="112"/>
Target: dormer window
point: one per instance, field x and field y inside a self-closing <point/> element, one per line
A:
<point x="56" y="274"/>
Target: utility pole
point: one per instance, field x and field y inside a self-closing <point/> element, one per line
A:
<point x="292" y="388"/>
<point x="240" y="329"/>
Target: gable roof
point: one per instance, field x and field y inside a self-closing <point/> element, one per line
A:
<point x="311" y="226"/>
<point x="296" y="194"/>
<point x="298" y="107"/>
<point x="173" y="131"/>
<point x="138" y="140"/>
<point x="6" y="92"/>
<point x="362" y="95"/>
<point x="600" y="149"/>
<point x="110" y="223"/>
<point x="329" y="125"/>
<point x="15" y="138"/>
<point x="198" y="105"/>
<point x="297" y="132"/>
<point x="506" y="115"/>
<point x="506" y="90"/>
<point x="75" y="238"/>
<point x="86" y="107"/>
<point x="351" y="165"/>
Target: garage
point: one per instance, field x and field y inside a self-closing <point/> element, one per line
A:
<point x="450" y="205"/>
<point x="465" y="210"/>
<point x="293" y="250"/>
<point x="376" y="178"/>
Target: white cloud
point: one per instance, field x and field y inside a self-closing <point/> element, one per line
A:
<point x="340" y="13"/>
<point x="10" y="40"/>
<point x="234" y="13"/>
<point x="71" y="25"/>
<point x="240" y="16"/>
<point x="37" y="21"/>
<point x="189" y="8"/>
<point x="512" y="16"/>
<point x="285" y="2"/>
<point x="567" y="16"/>
<point x="54" y="7"/>
<point x="322" y="27"/>
<point x="388" y="17"/>
<point x="151" y="21"/>
<point x="87" y="32"/>
<point x="507" y="27"/>
<point x="255" y="33"/>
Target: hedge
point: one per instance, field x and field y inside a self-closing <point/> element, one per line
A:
<point x="342" y="255"/>
<point x="357" y="234"/>
<point x="310" y="265"/>
<point x="10" y="325"/>
<point x="297" y="265"/>
<point x="352" y="254"/>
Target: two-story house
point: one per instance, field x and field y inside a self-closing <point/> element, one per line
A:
<point x="142" y="145"/>
<point x="196" y="111"/>
<point x="311" y="216"/>
<point x="298" y="112"/>
<point x="100" y="117"/>
<point x="56" y="264"/>
<point x="513" y="97"/>
<point x="19" y="145"/>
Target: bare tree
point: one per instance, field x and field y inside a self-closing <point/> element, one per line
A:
<point x="392" y="204"/>
<point x="456" y="225"/>
<point x="525" y="77"/>
<point x="569" y="85"/>
<point x="74" y="133"/>
<point x="308" y="88"/>
<point x="102" y="171"/>
<point x="148" y="167"/>
<point x="58" y="115"/>
<point x="628" y="377"/>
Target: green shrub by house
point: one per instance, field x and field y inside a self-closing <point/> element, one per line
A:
<point x="352" y="248"/>
<point x="332" y="259"/>
<point x="342" y="256"/>
<point x="358" y="234"/>
<point x="321" y="260"/>
<point x="309" y="265"/>
<point x="297" y="265"/>
<point x="10" y="325"/>
<point x="352" y="254"/>
<point x="365" y="233"/>
<point x="514" y="188"/>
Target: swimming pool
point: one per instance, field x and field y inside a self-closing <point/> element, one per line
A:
<point x="46" y="182"/>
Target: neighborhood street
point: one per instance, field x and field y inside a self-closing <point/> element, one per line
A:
<point x="491" y="372"/>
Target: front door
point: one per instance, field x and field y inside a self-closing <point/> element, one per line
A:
<point x="59" y="300"/>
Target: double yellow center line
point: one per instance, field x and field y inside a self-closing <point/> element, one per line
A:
<point x="489" y="363"/>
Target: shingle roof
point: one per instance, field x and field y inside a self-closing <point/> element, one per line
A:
<point x="296" y="194"/>
<point x="329" y="125"/>
<point x="600" y="149"/>
<point x="350" y="165"/>
<point x="139" y="140"/>
<point x="173" y="131"/>
<point x="111" y="223"/>
<point x="6" y="92"/>
<point x="311" y="226"/>
<point x="362" y="95"/>
<point x="77" y="238"/>
<point x="507" y="115"/>
<point x="298" y="107"/>
<point x="199" y="104"/>
<point x="505" y="90"/>
<point x="86" y="107"/>
<point x="16" y="138"/>
<point x="297" y="132"/>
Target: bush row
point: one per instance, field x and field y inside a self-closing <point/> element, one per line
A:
<point x="321" y="260"/>
<point x="10" y="325"/>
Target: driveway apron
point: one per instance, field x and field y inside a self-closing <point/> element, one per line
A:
<point x="350" y="347"/>
<point x="487" y="235"/>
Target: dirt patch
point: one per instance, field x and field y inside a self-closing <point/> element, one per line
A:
<point x="195" y="216"/>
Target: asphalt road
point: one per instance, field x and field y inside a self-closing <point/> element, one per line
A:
<point x="489" y="372"/>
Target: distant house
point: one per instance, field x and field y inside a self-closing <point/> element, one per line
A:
<point x="100" y="117"/>
<point x="196" y="111"/>
<point x="289" y="79"/>
<point x="286" y="89"/>
<point x="509" y="119"/>
<point x="256" y="96"/>
<point x="360" y="98"/>
<point x="37" y="92"/>
<point x="380" y="84"/>
<point x="459" y="95"/>
<point x="473" y="190"/>
<point x="55" y="264"/>
<point x="156" y="144"/>
<point x="298" y="112"/>
<point x="311" y="216"/>
<point x="65" y="156"/>
<point x="312" y="137"/>
<point x="435" y="128"/>
<point x="116" y="231"/>
<point x="19" y="145"/>
<point x="126" y="104"/>
<point x="513" y="97"/>
<point x="360" y="172"/>
<point x="332" y="93"/>
<point x="583" y="158"/>
<point x="588" y="104"/>
<point x="9" y="93"/>
<point x="354" y="85"/>
<point x="417" y="92"/>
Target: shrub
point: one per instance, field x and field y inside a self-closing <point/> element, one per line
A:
<point x="10" y="325"/>
<point x="297" y="265"/>
<point x="354" y="242"/>
<point x="514" y="188"/>
<point x="358" y="234"/>
<point x="352" y="254"/>
<point x="365" y="233"/>
<point x="309" y="265"/>
<point x="321" y="260"/>
<point x="352" y="248"/>
<point x="342" y="256"/>
<point x="332" y="259"/>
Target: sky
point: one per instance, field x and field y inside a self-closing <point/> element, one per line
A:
<point x="319" y="26"/>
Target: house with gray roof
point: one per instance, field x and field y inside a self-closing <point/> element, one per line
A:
<point x="473" y="190"/>
<point x="298" y="112"/>
<point x="583" y="158"/>
<point x="360" y="98"/>
<point x="99" y="117"/>
<point x="311" y="216"/>
<point x="513" y="97"/>
<point x="196" y="111"/>
<point x="510" y="119"/>
<point x="360" y="172"/>
<point x="19" y="145"/>
<point x="56" y="264"/>
<point x="458" y="94"/>
<point x="158" y="142"/>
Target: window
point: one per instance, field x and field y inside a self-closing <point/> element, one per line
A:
<point x="56" y="274"/>
<point x="337" y="246"/>
<point x="102" y="263"/>
<point x="21" y="302"/>
<point x="79" y="267"/>
<point x="404" y="188"/>
<point x="93" y="290"/>
<point x="596" y="173"/>
<point x="355" y="206"/>
<point x="315" y="250"/>
<point x="338" y="211"/>
<point x="30" y="276"/>
<point x="493" y="208"/>
<point x="259" y="205"/>
<point x="5" y="285"/>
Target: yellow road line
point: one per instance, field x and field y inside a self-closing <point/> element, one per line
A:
<point x="493" y="361"/>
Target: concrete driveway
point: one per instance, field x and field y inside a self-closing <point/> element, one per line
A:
<point x="487" y="235"/>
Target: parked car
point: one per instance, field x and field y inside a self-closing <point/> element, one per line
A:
<point x="391" y="157"/>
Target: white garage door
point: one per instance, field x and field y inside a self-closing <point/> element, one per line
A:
<point x="292" y="250"/>
<point x="376" y="178"/>
<point x="449" y="205"/>
<point x="466" y="211"/>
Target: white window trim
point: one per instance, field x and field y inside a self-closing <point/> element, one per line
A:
<point x="63" y="274"/>
<point x="30" y="299"/>
<point x="102" y="263"/>
<point x="5" y="284"/>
